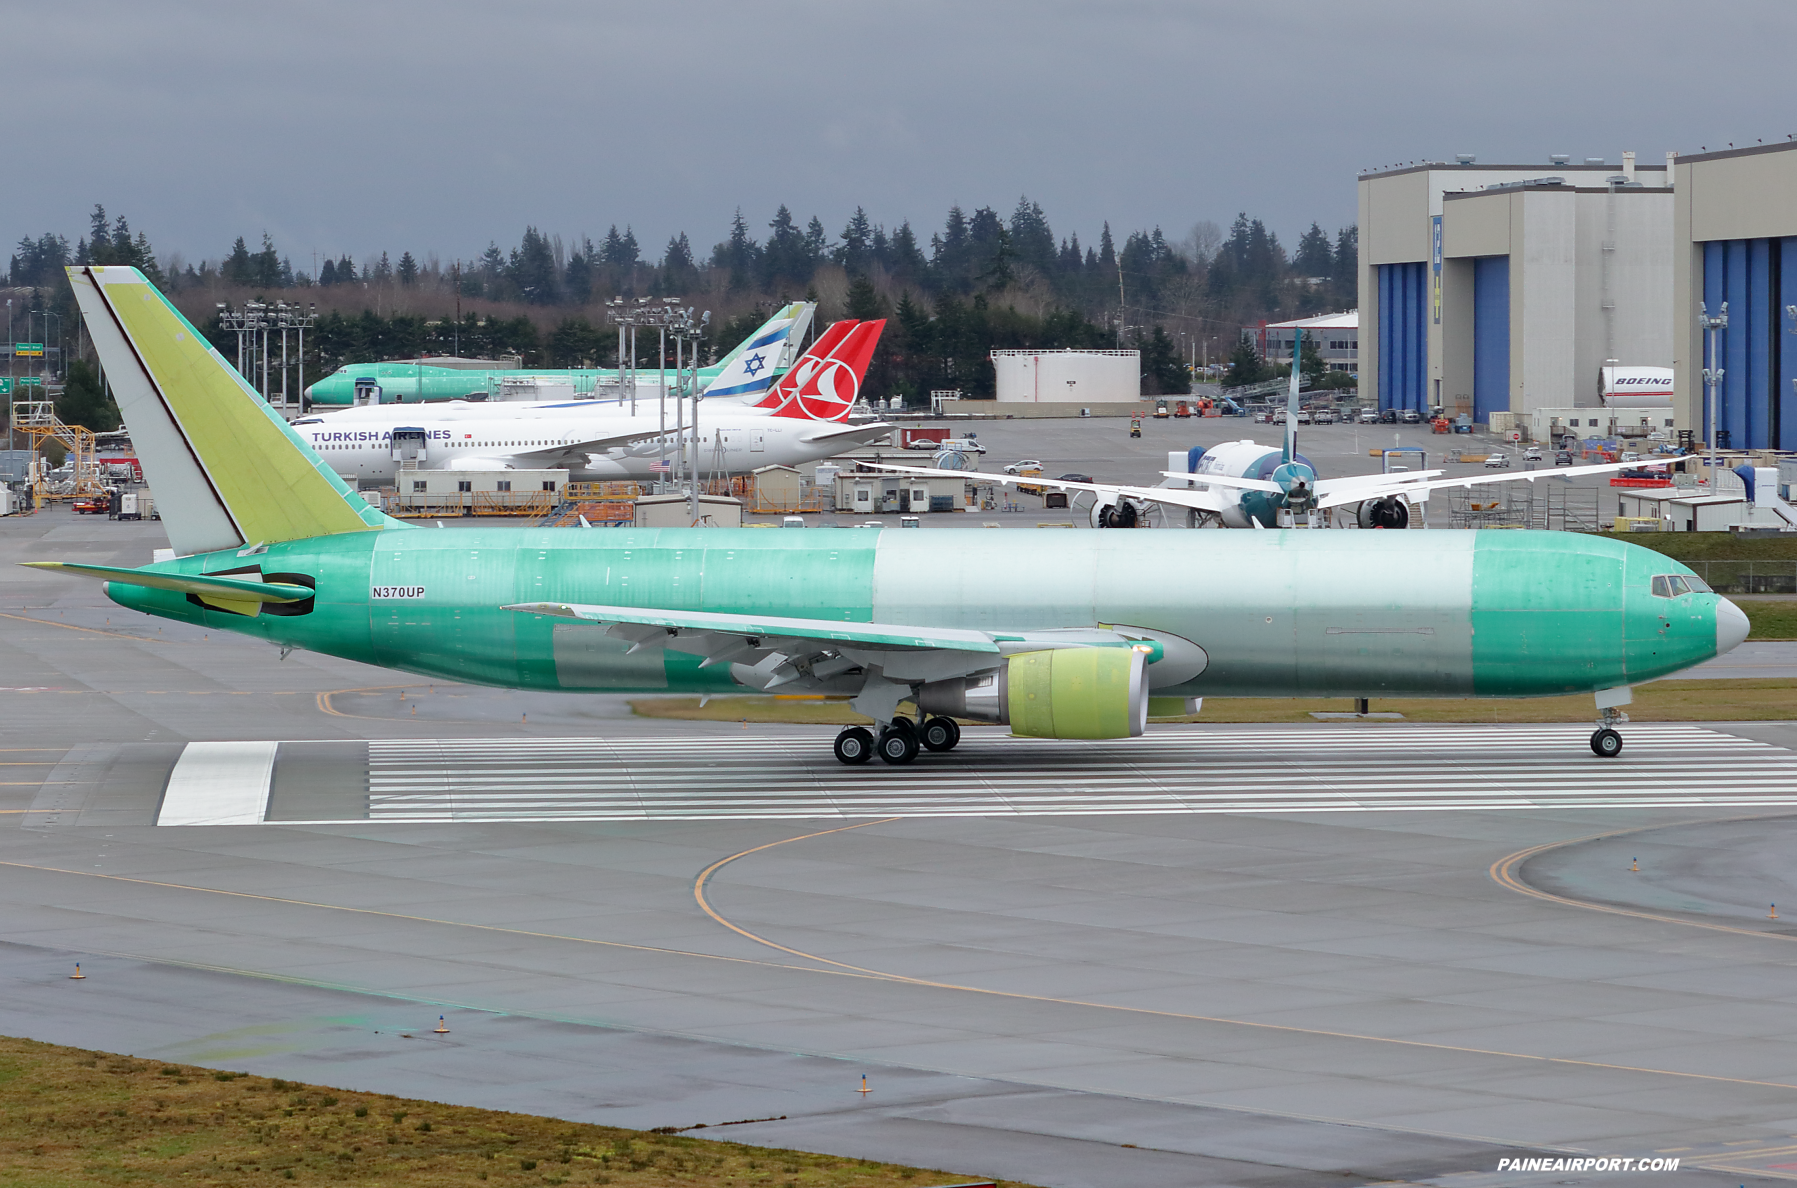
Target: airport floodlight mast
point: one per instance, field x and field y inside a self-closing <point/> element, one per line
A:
<point x="253" y="324"/>
<point x="687" y="332"/>
<point x="1712" y="375"/>
<point x="666" y="316"/>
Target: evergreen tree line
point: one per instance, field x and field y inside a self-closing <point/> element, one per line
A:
<point x="982" y="282"/>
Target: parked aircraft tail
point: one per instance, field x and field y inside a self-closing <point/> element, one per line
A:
<point x="824" y="384"/>
<point x="748" y="371"/>
<point x="226" y="469"/>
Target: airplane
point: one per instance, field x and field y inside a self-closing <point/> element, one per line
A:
<point x="414" y="381"/>
<point x="1242" y="484"/>
<point x="801" y="419"/>
<point x="1059" y="635"/>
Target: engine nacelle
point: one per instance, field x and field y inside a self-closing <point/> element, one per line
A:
<point x="1058" y="693"/>
<point x="1121" y="514"/>
<point x="1393" y="511"/>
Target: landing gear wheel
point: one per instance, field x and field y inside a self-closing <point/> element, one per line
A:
<point x="897" y="744"/>
<point x="940" y="734"/>
<point x="1606" y="743"/>
<point x="854" y="746"/>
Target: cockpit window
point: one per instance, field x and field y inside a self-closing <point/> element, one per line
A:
<point x="1673" y="585"/>
<point x="1662" y="587"/>
<point x="1697" y="585"/>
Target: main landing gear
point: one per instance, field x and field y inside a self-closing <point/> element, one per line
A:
<point x="898" y="742"/>
<point x="1606" y="743"/>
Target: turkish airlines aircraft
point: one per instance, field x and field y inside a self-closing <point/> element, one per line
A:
<point x="800" y="420"/>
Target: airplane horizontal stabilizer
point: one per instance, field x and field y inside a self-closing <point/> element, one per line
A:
<point x="232" y="589"/>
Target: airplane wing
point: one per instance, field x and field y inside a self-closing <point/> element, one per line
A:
<point x="874" y="658"/>
<point x="1336" y="492"/>
<point x="1179" y="496"/>
<point x="590" y="445"/>
<point x="850" y="432"/>
<point x="674" y="623"/>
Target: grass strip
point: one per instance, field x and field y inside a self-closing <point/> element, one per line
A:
<point x="69" y="1116"/>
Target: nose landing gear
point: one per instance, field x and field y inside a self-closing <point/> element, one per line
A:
<point x="1605" y="742"/>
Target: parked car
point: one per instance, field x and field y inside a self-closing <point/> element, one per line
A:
<point x="1532" y="454"/>
<point x="1304" y="416"/>
<point x="1388" y="416"/>
<point x="1411" y="417"/>
<point x="1563" y="458"/>
<point x="1497" y="462"/>
<point x="1030" y="464"/>
<point x="1076" y="478"/>
<point x="1324" y="416"/>
<point x="1369" y="416"/>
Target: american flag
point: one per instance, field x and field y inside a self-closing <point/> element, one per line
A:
<point x="660" y="467"/>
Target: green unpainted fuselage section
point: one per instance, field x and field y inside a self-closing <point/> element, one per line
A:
<point x="1279" y="613"/>
<point x="410" y="383"/>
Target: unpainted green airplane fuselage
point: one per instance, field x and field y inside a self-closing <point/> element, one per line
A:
<point x="410" y="383"/>
<point x="1280" y="613"/>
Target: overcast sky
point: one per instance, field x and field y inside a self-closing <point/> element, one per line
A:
<point x="370" y="126"/>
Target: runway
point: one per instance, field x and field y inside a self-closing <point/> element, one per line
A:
<point x="1375" y="767"/>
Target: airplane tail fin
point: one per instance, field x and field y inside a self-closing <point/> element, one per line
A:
<point x="1291" y="400"/>
<point x="749" y="371"/>
<point x="824" y="384"/>
<point x="226" y="469"/>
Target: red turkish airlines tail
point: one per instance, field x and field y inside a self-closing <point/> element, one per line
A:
<point x="824" y="383"/>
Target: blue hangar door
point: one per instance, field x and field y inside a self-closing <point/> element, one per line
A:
<point x="1403" y="345"/>
<point x="1756" y="407"/>
<point x="1491" y="337"/>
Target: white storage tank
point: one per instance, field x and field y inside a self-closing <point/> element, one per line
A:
<point x="1068" y="377"/>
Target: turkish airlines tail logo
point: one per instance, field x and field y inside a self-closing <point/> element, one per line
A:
<point x="824" y="383"/>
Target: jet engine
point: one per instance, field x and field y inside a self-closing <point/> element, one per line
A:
<point x="1118" y="514"/>
<point x="1390" y="512"/>
<point x="1059" y="693"/>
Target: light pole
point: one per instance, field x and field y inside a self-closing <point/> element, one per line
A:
<point x="1712" y="375"/>
<point x="59" y="361"/>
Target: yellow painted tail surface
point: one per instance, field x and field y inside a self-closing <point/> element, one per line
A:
<point x="226" y="469"/>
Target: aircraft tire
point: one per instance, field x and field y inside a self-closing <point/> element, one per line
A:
<point x="897" y="744"/>
<point x="1606" y="743"/>
<point x="854" y="746"/>
<point x="940" y="734"/>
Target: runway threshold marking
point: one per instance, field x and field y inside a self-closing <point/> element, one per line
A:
<point x="1306" y="769"/>
<point x="705" y="876"/>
